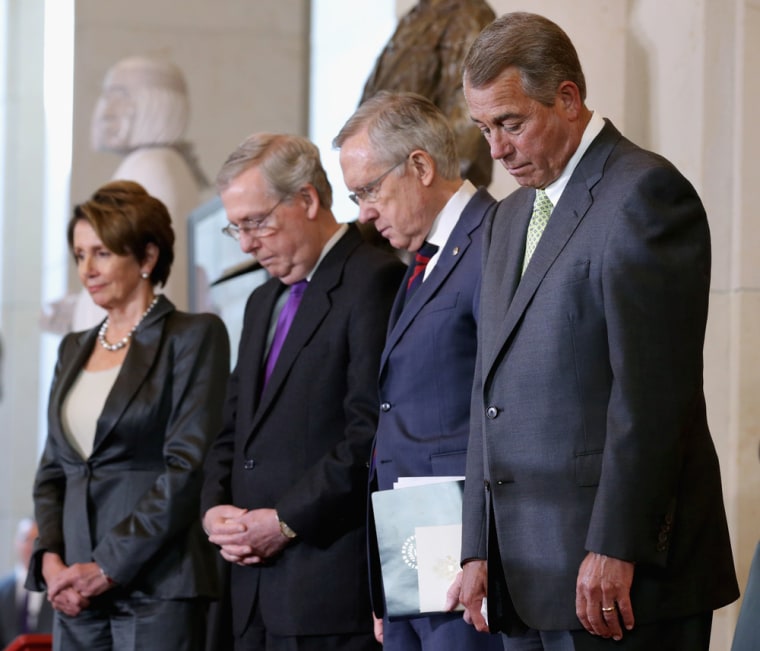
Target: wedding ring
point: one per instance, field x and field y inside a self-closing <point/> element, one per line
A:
<point x="609" y="609"/>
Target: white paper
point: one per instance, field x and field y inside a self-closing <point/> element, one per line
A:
<point x="405" y="482"/>
<point x="438" y="549"/>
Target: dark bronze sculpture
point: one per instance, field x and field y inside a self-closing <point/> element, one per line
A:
<point x="425" y="56"/>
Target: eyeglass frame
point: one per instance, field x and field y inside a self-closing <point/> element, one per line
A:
<point x="257" y="227"/>
<point x="369" y="192"/>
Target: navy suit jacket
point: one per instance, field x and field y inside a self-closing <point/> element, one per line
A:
<point x="427" y="364"/>
<point x="589" y="428"/>
<point x="426" y="370"/>
<point x="132" y="506"/>
<point x="302" y="445"/>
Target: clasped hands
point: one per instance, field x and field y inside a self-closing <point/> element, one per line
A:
<point x="70" y="587"/>
<point x="245" y="537"/>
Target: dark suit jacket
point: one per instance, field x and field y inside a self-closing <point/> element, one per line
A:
<point x="428" y="361"/>
<point x="132" y="507"/>
<point x="426" y="370"/>
<point x="9" y="616"/>
<point x="303" y="446"/>
<point x="589" y="428"/>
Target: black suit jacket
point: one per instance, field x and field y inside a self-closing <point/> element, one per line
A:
<point x="132" y="506"/>
<point x="303" y="445"/>
<point x="589" y="428"/>
<point x="9" y="615"/>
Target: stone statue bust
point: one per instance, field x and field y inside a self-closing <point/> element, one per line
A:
<point x="142" y="115"/>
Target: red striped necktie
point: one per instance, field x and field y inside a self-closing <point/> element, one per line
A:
<point x="421" y="259"/>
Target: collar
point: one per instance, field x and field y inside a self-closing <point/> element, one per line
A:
<point x="592" y="130"/>
<point x="447" y="219"/>
<point x="342" y="230"/>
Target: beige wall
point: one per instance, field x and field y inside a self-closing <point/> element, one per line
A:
<point x="246" y="65"/>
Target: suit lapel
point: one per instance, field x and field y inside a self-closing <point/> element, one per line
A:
<point x="69" y="371"/>
<point x="142" y="353"/>
<point x="253" y="349"/>
<point x="572" y="207"/>
<point x="451" y="253"/>
<point x="314" y="307"/>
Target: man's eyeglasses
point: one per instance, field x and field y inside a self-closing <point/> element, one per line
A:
<point x="369" y="193"/>
<point x="258" y="227"/>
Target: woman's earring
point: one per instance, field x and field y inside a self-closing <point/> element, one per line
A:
<point x="144" y="275"/>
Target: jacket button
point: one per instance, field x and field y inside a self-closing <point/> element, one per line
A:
<point x="249" y="464"/>
<point x="491" y="413"/>
<point x="385" y="407"/>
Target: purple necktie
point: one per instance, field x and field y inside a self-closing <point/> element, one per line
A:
<point x="283" y="325"/>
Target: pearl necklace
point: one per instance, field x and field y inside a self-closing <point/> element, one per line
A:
<point x="125" y="340"/>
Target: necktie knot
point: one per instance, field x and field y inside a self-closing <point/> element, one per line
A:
<point x="297" y="289"/>
<point x="542" y="210"/>
<point x="284" y="321"/>
<point x="421" y="259"/>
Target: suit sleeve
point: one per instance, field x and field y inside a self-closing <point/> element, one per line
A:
<point x="474" y="517"/>
<point x="330" y="498"/>
<point x="217" y="469"/>
<point x="655" y="275"/>
<point x="49" y="489"/>
<point x="170" y="506"/>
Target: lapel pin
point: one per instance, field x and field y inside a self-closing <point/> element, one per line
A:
<point x="455" y="250"/>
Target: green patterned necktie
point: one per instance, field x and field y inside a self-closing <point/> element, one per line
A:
<point x="542" y="210"/>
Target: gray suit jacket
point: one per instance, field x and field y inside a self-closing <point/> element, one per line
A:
<point x="132" y="506"/>
<point x="589" y="430"/>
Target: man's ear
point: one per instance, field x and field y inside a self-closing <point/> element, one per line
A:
<point x="423" y="166"/>
<point x="310" y="197"/>
<point x="569" y="98"/>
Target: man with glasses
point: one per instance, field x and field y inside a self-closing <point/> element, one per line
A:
<point x="284" y="492"/>
<point x="399" y="159"/>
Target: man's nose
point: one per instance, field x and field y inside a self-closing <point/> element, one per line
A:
<point x="367" y="212"/>
<point x="501" y="145"/>
<point x="249" y="243"/>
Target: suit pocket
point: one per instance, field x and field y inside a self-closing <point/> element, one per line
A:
<point x="449" y="463"/>
<point x="576" y="272"/>
<point x="443" y="301"/>
<point x="588" y="468"/>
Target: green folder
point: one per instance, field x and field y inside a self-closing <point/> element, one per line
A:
<point x="415" y="584"/>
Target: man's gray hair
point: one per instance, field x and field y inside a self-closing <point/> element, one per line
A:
<point x="287" y="163"/>
<point x="399" y="123"/>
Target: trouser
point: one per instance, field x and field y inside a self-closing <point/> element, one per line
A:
<point x="133" y="624"/>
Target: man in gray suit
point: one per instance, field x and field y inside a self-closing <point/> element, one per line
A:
<point x="593" y="504"/>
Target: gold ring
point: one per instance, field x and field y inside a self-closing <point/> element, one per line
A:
<point x="609" y="609"/>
